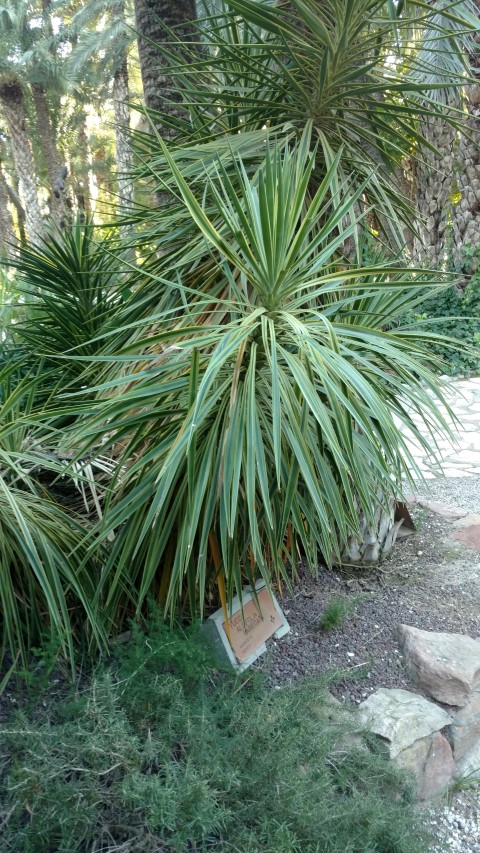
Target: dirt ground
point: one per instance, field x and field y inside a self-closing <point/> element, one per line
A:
<point x="428" y="581"/>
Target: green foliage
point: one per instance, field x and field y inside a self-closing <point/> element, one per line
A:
<point x="161" y="752"/>
<point x="455" y="313"/>
<point x="251" y="375"/>
<point x="43" y="573"/>
<point x="280" y="65"/>
<point x="71" y="287"/>
<point x="336" y="611"/>
<point x="259" y="400"/>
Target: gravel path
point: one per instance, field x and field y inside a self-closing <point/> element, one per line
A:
<point x="429" y="581"/>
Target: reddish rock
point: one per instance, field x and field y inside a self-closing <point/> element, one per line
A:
<point x="469" y="765"/>
<point x="446" y="666"/>
<point x="470" y="536"/>
<point x="465" y="728"/>
<point x="431" y="761"/>
<point x="450" y="513"/>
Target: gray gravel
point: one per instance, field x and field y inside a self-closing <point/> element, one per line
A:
<point x="430" y="582"/>
<point x="458" y="825"/>
<point x="463" y="492"/>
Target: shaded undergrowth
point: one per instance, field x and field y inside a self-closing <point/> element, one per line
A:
<point x="160" y="751"/>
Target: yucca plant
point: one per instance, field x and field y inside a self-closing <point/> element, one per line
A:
<point x="257" y="426"/>
<point x="253" y="380"/>
<point x="46" y="588"/>
<point x="71" y="286"/>
<point x="343" y="65"/>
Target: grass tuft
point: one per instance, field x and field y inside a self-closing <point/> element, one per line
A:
<point x="336" y="611"/>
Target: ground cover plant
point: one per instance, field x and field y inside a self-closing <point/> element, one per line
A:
<point x="456" y="312"/>
<point x="159" y="751"/>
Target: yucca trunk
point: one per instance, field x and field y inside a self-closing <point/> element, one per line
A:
<point x="7" y="233"/>
<point x="376" y="539"/>
<point x="12" y="100"/>
<point x="154" y="19"/>
<point x="61" y="205"/>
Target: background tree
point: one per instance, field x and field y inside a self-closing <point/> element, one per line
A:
<point x="28" y="65"/>
<point x="447" y="175"/>
<point x="13" y="105"/>
<point x="100" y="56"/>
<point x="7" y="233"/>
<point x="155" y="20"/>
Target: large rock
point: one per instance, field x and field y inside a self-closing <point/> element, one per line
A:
<point x="465" y="730"/>
<point x="401" y="717"/>
<point x="469" y="765"/>
<point x="431" y="761"/>
<point x="446" y="666"/>
<point x="469" y="536"/>
<point x="411" y="726"/>
<point x="449" y="513"/>
<point x="467" y="530"/>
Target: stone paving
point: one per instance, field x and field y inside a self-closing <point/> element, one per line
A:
<point x="462" y="457"/>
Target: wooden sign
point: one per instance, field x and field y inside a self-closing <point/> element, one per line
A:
<point x="248" y="630"/>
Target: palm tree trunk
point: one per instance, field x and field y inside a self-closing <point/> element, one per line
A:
<point x="7" y="233"/>
<point x="448" y="187"/>
<point x="154" y="19"/>
<point x="122" y="138"/>
<point x="11" y="98"/>
<point x="60" y="202"/>
<point x="82" y="190"/>
<point x="14" y="196"/>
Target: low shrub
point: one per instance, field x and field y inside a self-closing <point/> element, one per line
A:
<point x="455" y="312"/>
<point x="160" y="751"/>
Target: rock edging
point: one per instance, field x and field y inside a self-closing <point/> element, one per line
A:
<point x="434" y="744"/>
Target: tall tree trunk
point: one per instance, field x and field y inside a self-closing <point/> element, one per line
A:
<point x="11" y="98"/>
<point x="121" y="108"/>
<point x="7" y="233"/>
<point x="153" y="20"/>
<point x="448" y="195"/>
<point x="448" y="187"/>
<point x="82" y="190"/>
<point x="61" y="205"/>
<point x="122" y="136"/>
<point x="15" y="201"/>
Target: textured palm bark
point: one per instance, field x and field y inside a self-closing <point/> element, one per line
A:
<point x="122" y="136"/>
<point x="60" y="201"/>
<point x="82" y="189"/>
<point x="154" y="19"/>
<point x="15" y="201"/>
<point x="448" y="194"/>
<point x="376" y="538"/>
<point x="7" y="233"/>
<point x="448" y="187"/>
<point x="11" y="98"/>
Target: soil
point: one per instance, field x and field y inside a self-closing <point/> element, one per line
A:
<point x="428" y="581"/>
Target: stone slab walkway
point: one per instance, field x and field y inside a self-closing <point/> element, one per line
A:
<point x="460" y="458"/>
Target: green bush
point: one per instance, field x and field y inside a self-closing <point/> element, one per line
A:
<point x="47" y="581"/>
<point x="160" y="751"/>
<point x="455" y="312"/>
